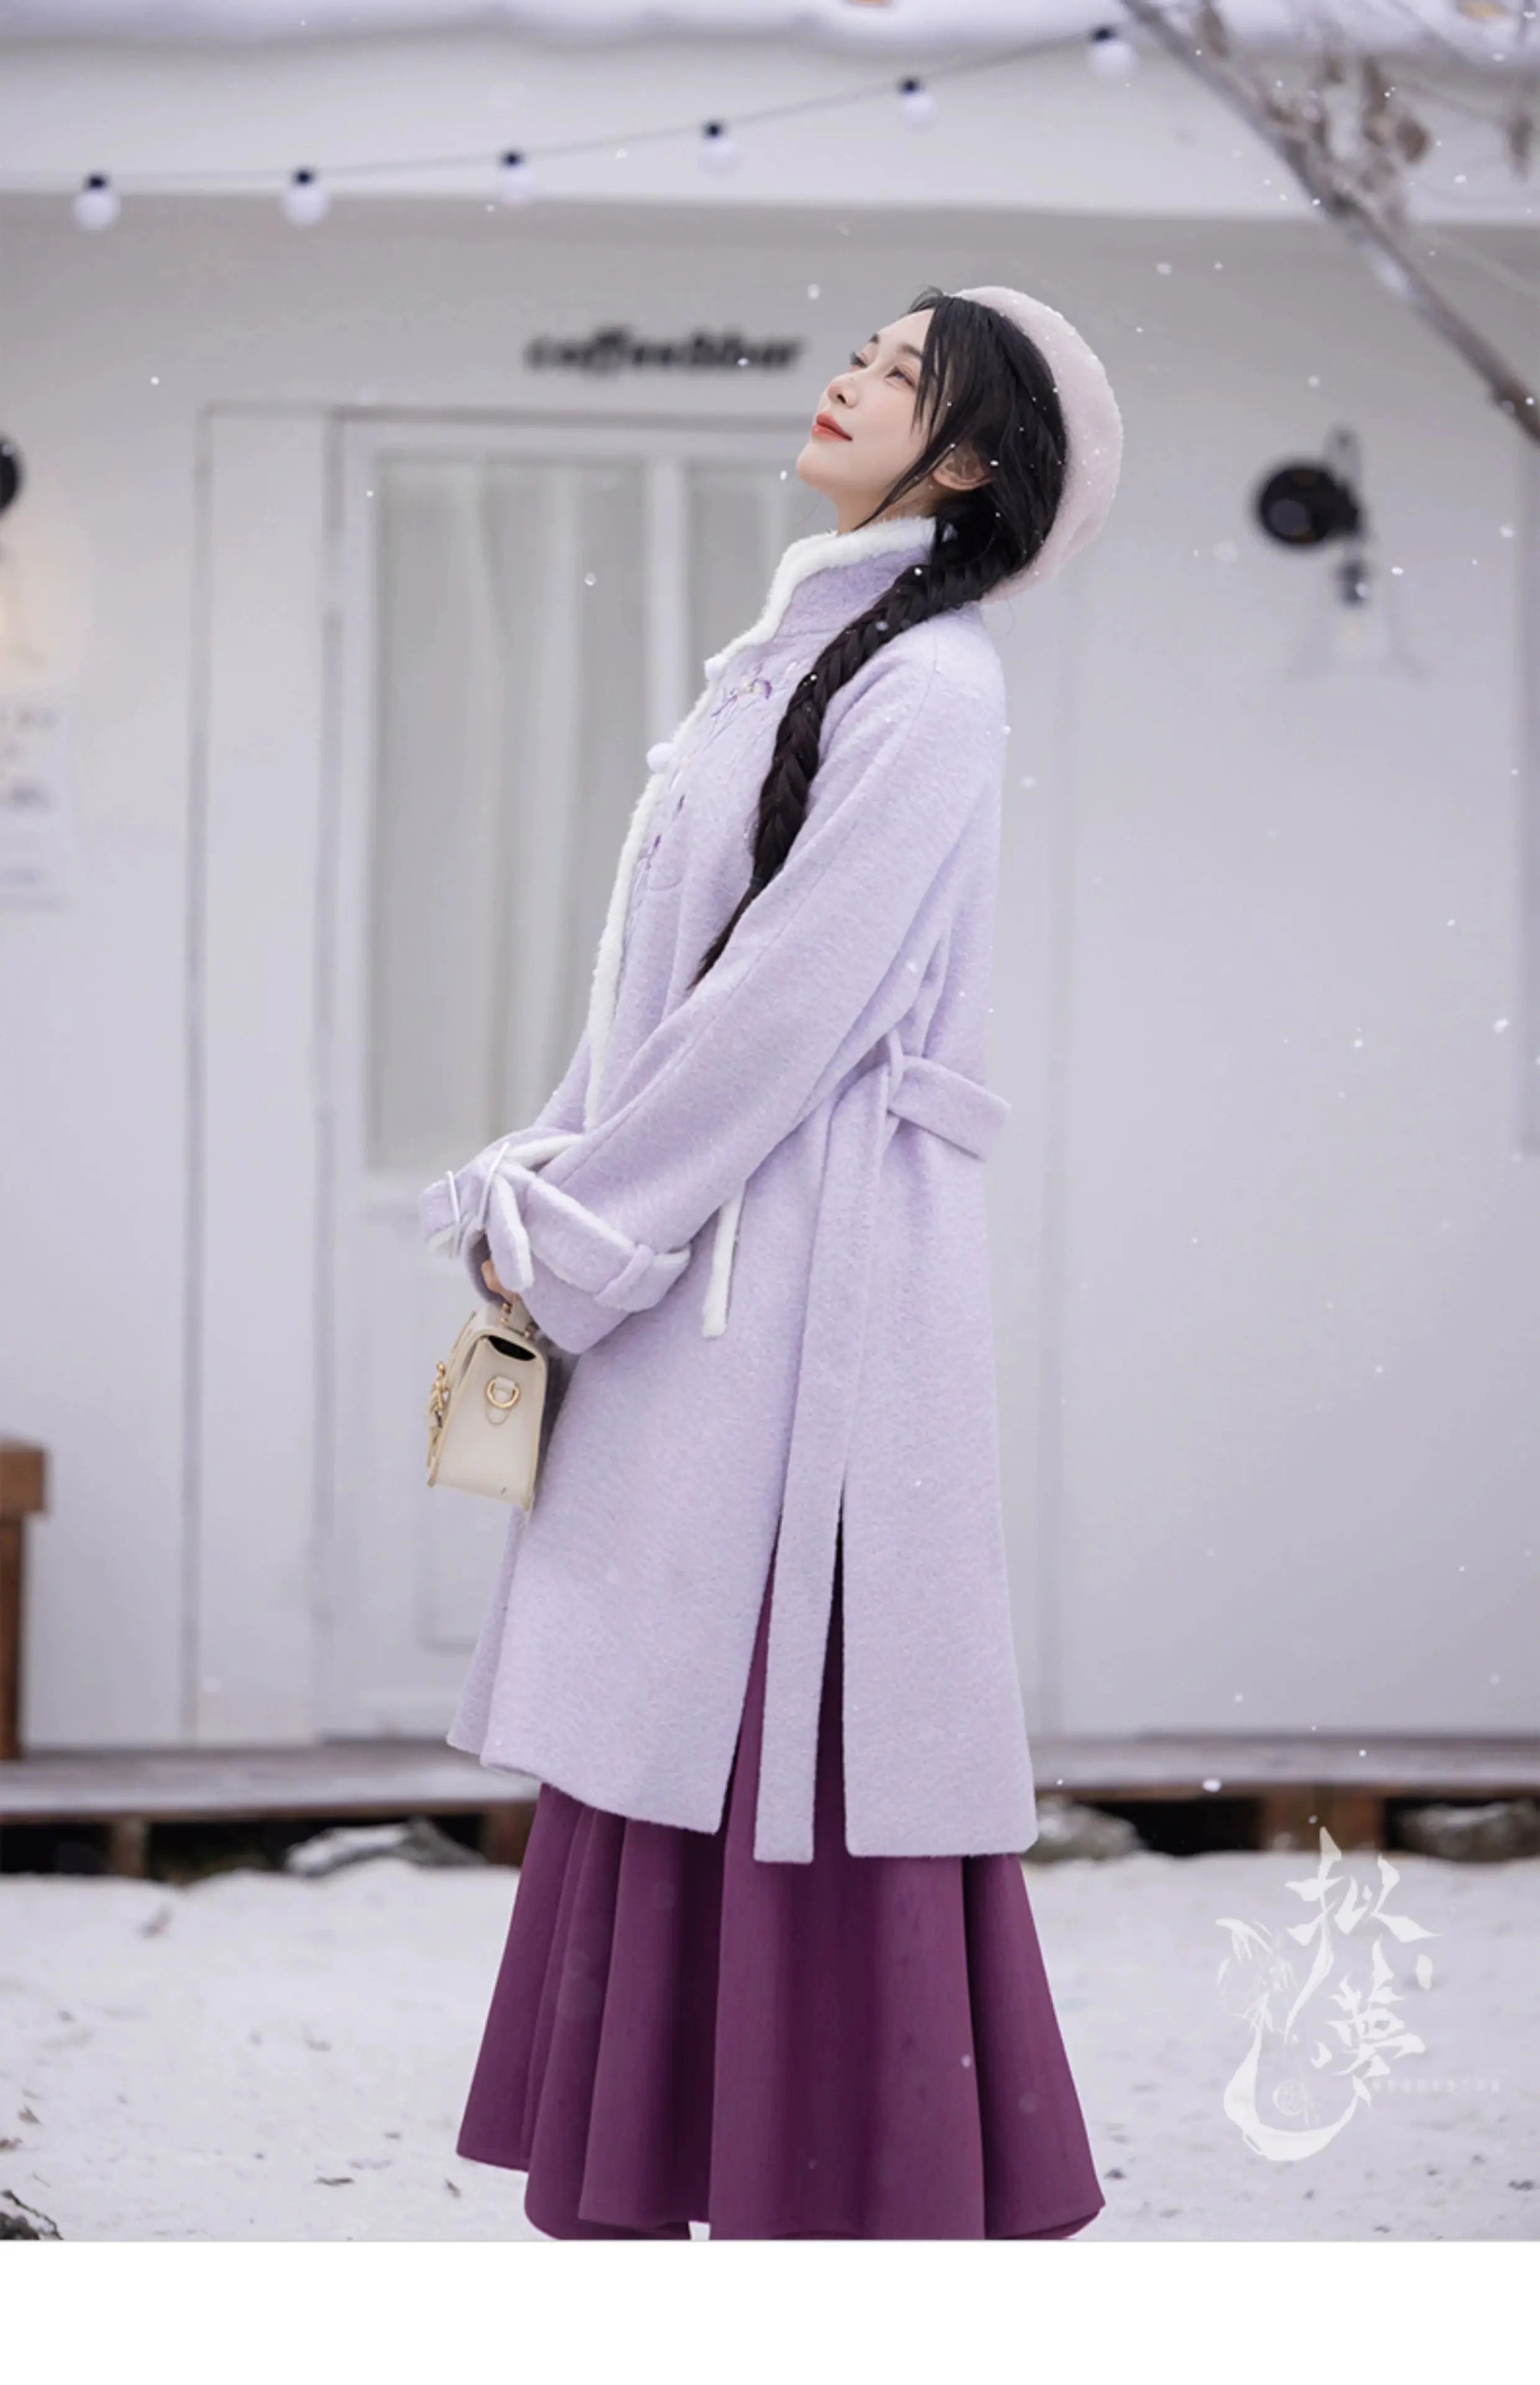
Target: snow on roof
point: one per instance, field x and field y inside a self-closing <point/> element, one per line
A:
<point x="1482" y="31"/>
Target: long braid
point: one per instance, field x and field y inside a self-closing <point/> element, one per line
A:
<point x="919" y="593"/>
<point x="983" y="535"/>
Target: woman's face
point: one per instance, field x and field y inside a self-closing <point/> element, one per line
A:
<point x="866" y="432"/>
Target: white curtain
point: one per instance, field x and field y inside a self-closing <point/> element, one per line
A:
<point x="511" y="730"/>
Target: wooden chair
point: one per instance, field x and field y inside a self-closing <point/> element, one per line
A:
<point x="23" y="1493"/>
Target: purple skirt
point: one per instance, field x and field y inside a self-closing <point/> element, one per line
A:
<point x="862" y="2046"/>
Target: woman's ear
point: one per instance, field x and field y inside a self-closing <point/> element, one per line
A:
<point x="961" y="469"/>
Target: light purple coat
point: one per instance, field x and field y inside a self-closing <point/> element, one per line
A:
<point x="820" y="1097"/>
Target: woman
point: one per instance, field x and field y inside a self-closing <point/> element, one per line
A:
<point x="771" y="1963"/>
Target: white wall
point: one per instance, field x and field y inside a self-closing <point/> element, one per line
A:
<point x="1228" y="1214"/>
<point x="1301" y="1303"/>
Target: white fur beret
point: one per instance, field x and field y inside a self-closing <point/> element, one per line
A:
<point x="1092" y="423"/>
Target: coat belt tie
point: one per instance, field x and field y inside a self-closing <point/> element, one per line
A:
<point x="925" y="1091"/>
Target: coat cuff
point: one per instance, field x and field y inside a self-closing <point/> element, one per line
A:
<point x="571" y="1319"/>
<point x="579" y="1275"/>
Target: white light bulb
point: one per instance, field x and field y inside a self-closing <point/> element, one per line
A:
<point x="97" y="204"/>
<point x="305" y="197"/>
<point x="515" y="178"/>
<point x="1110" y="55"/>
<point x="718" y="149"/>
<point x="916" y="106"/>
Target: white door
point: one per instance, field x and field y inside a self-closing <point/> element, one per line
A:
<point x="522" y="612"/>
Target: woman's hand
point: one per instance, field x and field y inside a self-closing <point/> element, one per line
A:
<point x="490" y="1277"/>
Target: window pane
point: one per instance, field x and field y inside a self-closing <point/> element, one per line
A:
<point x="738" y="514"/>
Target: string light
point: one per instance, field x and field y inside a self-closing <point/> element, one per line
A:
<point x="718" y="149"/>
<point x="96" y="205"/>
<point x="517" y="183"/>
<point x="916" y="104"/>
<point x="1110" y="55"/>
<point x="305" y="197"/>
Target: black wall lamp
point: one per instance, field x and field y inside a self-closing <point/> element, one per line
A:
<point x="1305" y="504"/>
<point x="1309" y="504"/>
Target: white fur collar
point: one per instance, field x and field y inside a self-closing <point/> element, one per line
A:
<point x="825" y="550"/>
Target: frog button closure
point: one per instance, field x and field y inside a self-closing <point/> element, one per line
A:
<point x="660" y="760"/>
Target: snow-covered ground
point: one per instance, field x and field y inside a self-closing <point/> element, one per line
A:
<point x="257" y="2056"/>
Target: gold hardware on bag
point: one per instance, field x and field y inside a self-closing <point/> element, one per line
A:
<point x="487" y="1424"/>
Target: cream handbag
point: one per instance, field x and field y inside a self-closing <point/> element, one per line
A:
<point x="494" y="1401"/>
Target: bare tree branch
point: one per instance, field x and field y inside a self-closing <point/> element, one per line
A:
<point x="1297" y="134"/>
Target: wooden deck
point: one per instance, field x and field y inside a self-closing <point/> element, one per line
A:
<point x="357" y="1777"/>
<point x="129" y="1790"/>
<point x="1292" y="1784"/>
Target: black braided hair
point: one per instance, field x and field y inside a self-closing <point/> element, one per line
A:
<point x="985" y="387"/>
